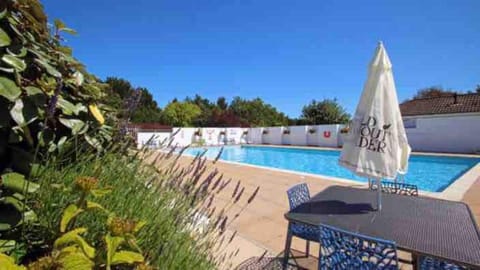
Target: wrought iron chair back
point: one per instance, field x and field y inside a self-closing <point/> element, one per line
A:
<point x="297" y="195"/>
<point x="340" y="249"/>
<point x="396" y="188"/>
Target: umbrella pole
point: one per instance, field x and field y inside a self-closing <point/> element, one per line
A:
<point x="379" y="194"/>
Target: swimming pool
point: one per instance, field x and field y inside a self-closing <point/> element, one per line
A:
<point x="429" y="173"/>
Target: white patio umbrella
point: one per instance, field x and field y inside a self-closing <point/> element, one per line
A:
<point x="376" y="145"/>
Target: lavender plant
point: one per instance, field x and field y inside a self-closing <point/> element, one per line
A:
<point x="185" y="225"/>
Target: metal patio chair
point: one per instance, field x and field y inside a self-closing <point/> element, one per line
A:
<point x="297" y="195"/>
<point x="396" y="188"/>
<point x="429" y="263"/>
<point x="340" y="249"/>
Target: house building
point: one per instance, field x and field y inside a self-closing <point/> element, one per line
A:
<point x="443" y="124"/>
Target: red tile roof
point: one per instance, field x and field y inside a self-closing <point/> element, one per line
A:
<point x="462" y="103"/>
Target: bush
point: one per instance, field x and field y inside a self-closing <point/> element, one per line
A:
<point x="169" y="200"/>
<point x="46" y="98"/>
<point x="46" y="95"/>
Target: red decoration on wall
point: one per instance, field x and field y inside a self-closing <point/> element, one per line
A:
<point x="327" y="134"/>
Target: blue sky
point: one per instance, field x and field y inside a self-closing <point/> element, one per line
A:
<point x="286" y="52"/>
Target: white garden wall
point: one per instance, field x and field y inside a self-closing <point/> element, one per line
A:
<point x="254" y="135"/>
<point x="182" y="136"/>
<point x="298" y="135"/>
<point x="235" y="135"/>
<point x="274" y="135"/>
<point x="211" y="136"/>
<point x="458" y="133"/>
<point x="324" y="135"/>
<point x="152" y="139"/>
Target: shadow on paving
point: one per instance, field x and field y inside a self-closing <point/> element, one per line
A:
<point x="297" y="261"/>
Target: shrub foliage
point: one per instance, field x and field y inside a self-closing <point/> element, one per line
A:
<point x="46" y="95"/>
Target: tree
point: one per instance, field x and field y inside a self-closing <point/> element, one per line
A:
<point x="477" y="90"/>
<point x="206" y="108"/>
<point x="222" y="103"/>
<point x="147" y="110"/>
<point x="327" y="111"/>
<point x="181" y="114"/>
<point x="120" y="90"/>
<point x="433" y="92"/>
<point x="225" y="118"/>
<point x="255" y="112"/>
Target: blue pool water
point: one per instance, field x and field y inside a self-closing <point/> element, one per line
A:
<point x="429" y="173"/>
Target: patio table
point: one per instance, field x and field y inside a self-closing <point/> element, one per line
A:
<point x="420" y="225"/>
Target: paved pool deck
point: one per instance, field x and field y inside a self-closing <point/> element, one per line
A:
<point x="261" y="227"/>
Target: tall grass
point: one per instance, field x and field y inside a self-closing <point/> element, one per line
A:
<point x="149" y="187"/>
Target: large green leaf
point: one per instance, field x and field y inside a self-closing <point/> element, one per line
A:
<point x="7" y="245"/>
<point x="127" y="257"/>
<point x="98" y="192"/>
<point x="21" y="52"/>
<point x="113" y="242"/>
<point x="17" y="183"/>
<point x="73" y="258"/>
<point x="93" y="142"/>
<point x="73" y="237"/>
<point x="69" y="108"/>
<point x="24" y="112"/>
<point x="4" y="38"/>
<point x="3" y="13"/>
<point x="59" y="24"/>
<point x="5" y="226"/>
<point x="51" y="70"/>
<point x="28" y="214"/>
<point x="9" y="89"/>
<point x="8" y="263"/>
<point x="139" y="226"/>
<point x="14" y="213"/>
<point x="61" y="142"/>
<point x="74" y="124"/>
<point x="32" y="90"/>
<point x="7" y="70"/>
<point x="17" y="114"/>
<point x="30" y="217"/>
<point x="94" y="205"/>
<point x="62" y="27"/>
<point x="14" y="62"/>
<point x="68" y="214"/>
<point x="78" y="78"/>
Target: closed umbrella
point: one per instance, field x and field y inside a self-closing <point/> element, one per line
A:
<point x="376" y="145"/>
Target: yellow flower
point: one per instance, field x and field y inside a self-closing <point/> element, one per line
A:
<point x="120" y="226"/>
<point x="86" y="183"/>
<point x="96" y="113"/>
